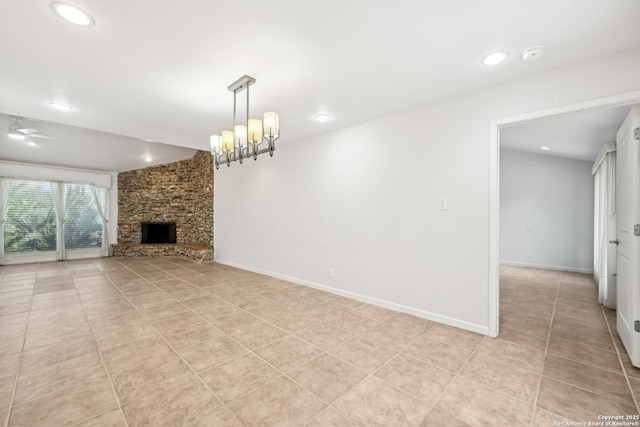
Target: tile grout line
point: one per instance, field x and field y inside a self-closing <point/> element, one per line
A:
<point x="328" y="352"/>
<point x="24" y="341"/>
<point x="371" y="374"/>
<point x="177" y="354"/>
<point x="249" y="351"/>
<point x="288" y="334"/>
<point x="284" y="374"/>
<point x="253" y="352"/>
<point x="104" y="364"/>
<point x="624" y="371"/>
<point x="456" y="375"/>
<point x="546" y="350"/>
<point x="21" y="354"/>
<point x="266" y="320"/>
<point x="587" y="390"/>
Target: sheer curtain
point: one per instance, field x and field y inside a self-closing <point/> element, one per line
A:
<point x="5" y="183"/>
<point x="102" y="213"/>
<point x="604" y="253"/>
<point x="58" y="201"/>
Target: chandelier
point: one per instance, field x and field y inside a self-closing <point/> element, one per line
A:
<point x="245" y="139"/>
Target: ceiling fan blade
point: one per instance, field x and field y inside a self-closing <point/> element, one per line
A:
<point x="28" y="131"/>
<point x="39" y="136"/>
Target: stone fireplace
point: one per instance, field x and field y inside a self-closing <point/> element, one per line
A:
<point x="174" y="200"/>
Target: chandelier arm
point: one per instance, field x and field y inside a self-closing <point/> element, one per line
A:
<point x="233" y="158"/>
<point x="272" y="144"/>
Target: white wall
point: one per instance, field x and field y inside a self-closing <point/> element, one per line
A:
<point x="358" y="201"/>
<point x="546" y="211"/>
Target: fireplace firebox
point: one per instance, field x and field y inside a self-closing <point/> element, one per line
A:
<point x="158" y="232"/>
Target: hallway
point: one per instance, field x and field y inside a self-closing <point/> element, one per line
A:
<point x="572" y="340"/>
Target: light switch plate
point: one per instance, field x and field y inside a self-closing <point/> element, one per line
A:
<point x="442" y="204"/>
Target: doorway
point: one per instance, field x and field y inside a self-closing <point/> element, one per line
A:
<point x="622" y="100"/>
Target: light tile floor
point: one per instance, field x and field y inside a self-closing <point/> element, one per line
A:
<point x="168" y="342"/>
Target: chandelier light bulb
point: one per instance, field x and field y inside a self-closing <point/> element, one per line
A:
<point x="227" y="140"/>
<point x="216" y="144"/>
<point x="271" y="124"/>
<point x="240" y="136"/>
<point x="255" y="131"/>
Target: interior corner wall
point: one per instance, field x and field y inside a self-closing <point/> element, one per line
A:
<point x="363" y="200"/>
<point x="546" y="211"/>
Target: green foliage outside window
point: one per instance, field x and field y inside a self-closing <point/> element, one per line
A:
<point x="30" y="218"/>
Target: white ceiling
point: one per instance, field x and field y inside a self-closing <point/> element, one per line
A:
<point x="68" y="146"/>
<point x="158" y="69"/>
<point x="578" y="136"/>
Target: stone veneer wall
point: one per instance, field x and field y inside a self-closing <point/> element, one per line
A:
<point x="180" y="192"/>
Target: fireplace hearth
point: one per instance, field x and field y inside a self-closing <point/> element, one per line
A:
<point x="158" y="232"/>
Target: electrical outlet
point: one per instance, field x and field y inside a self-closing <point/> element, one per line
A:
<point x="332" y="273"/>
<point x="529" y="254"/>
<point x="529" y="228"/>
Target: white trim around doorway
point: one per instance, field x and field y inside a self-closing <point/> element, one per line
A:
<point x="629" y="98"/>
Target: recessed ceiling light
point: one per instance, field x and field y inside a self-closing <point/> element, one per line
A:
<point x="60" y="106"/>
<point x="148" y="159"/>
<point x="545" y="148"/>
<point x="322" y="117"/>
<point x="532" y="53"/>
<point x="17" y="136"/>
<point x="494" y="58"/>
<point x="72" y="14"/>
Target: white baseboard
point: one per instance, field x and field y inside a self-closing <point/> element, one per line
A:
<point x="547" y="267"/>
<point x="473" y="327"/>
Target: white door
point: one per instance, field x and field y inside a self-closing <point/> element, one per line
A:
<point x="628" y="214"/>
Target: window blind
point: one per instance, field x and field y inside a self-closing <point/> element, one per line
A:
<point x="30" y="217"/>
<point x="82" y="224"/>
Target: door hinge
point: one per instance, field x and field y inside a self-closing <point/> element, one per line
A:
<point x="636" y="229"/>
<point x="636" y="326"/>
<point x="636" y="133"/>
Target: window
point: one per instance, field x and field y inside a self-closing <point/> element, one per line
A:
<point x="30" y="217"/>
<point x="33" y="228"/>
<point x="82" y="224"/>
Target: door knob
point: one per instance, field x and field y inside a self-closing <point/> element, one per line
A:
<point x="614" y="241"/>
